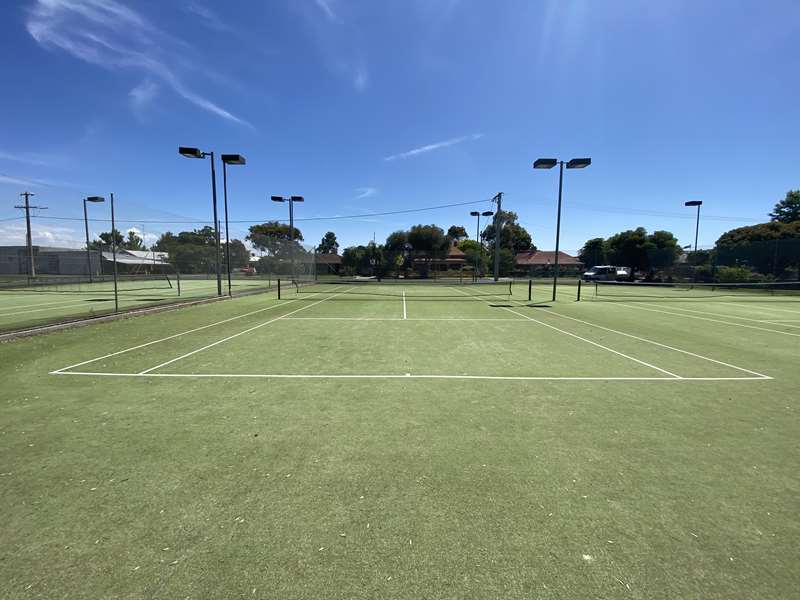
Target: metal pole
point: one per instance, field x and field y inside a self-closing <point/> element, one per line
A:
<point x="499" y="199"/>
<point x="28" y="238"/>
<point x="227" y="234"/>
<point x="291" y="237"/>
<point x="480" y="246"/>
<point x="88" y="251"/>
<point x="696" y="230"/>
<point x="216" y="226"/>
<point x="114" y="254"/>
<point x="558" y="225"/>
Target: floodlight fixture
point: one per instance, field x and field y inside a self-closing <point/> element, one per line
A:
<point x="693" y="203"/>
<point x="190" y="152"/>
<point x="233" y="159"/>
<point x="545" y="163"/>
<point x="579" y="163"/>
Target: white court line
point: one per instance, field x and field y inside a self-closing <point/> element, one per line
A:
<point x="405" y="314"/>
<point x="779" y="321"/>
<point x="765" y="306"/>
<point x="636" y="337"/>
<point x="676" y="314"/>
<point x="583" y="339"/>
<point x="727" y="316"/>
<point x="406" y="376"/>
<point x="25" y="312"/>
<point x="235" y="335"/>
<point x="170" y="337"/>
<point x="400" y="319"/>
<point x="15" y="307"/>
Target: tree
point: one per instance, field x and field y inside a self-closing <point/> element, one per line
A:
<point x="240" y="255"/>
<point x="105" y="240"/>
<point x="788" y="209"/>
<point x="513" y="236"/>
<point x="272" y="237"/>
<point x="457" y="232"/>
<point x="474" y="254"/>
<point x="328" y="244"/>
<point x="640" y="251"/>
<point x="593" y="252"/>
<point x="427" y="240"/>
<point x="196" y="251"/>
<point x="662" y="250"/>
<point x="769" y="248"/>
<point x="363" y="260"/>
<point x="133" y="241"/>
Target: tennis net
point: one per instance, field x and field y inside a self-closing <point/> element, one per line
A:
<point x="632" y="290"/>
<point x="410" y="288"/>
<point x="103" y="286"/>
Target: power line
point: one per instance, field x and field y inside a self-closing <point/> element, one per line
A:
<point x="328" y="218"/>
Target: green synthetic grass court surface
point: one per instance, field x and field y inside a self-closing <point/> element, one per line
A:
<point x="342" y="446"/>
<point x="22" y="308"/>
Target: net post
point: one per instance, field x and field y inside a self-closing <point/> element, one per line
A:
<point x="279" y="289"/>
<point x="530" y="290"/>
<point x="580" y="282"/>
<point x="178" y="280"/>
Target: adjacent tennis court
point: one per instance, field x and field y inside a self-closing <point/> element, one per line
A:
<point x="407" y="437"/>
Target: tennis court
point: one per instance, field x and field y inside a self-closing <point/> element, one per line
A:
<point x="398" y="439"/>
<point x="24" y="305"/>
<point x="367" y="326"/>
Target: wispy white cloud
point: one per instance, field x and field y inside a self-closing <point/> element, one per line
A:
<point x="35" y="182"/>
<point x="107" y="34"/>
<point x="208" y="16"/>
<point x="360" y="77"/>
<point x="339" y="40"/>
<point x="365" y="192"/>
<point x="35" y="159"/>
<point x="325" y="7"/>
<point x="435" y="146"/>
<point x="142" y="96"/>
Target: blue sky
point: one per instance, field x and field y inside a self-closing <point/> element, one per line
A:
<point x="364" y="107"/>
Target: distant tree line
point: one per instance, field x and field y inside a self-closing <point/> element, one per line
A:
<point x="767" y="250"/>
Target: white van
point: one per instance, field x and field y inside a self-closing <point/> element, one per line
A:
<point x="607" y="273"/>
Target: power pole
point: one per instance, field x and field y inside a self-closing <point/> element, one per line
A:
<point x="27" y="206"/>
<point x="498" y="199"/>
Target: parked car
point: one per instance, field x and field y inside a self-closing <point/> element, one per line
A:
<point x="607" y="273"/>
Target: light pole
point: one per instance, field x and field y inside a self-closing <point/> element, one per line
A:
<point x="113" y="244"/>
<point x="498" y="199"/>
<point x="228" y="159"/>
<point x="291" y="200"/>
<point x="475" y="213"/>
<point x="197" y="153"/>
<point x="86" y="226"/>
<point x="698" y="204"/>
<point x="549" y="163"/>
